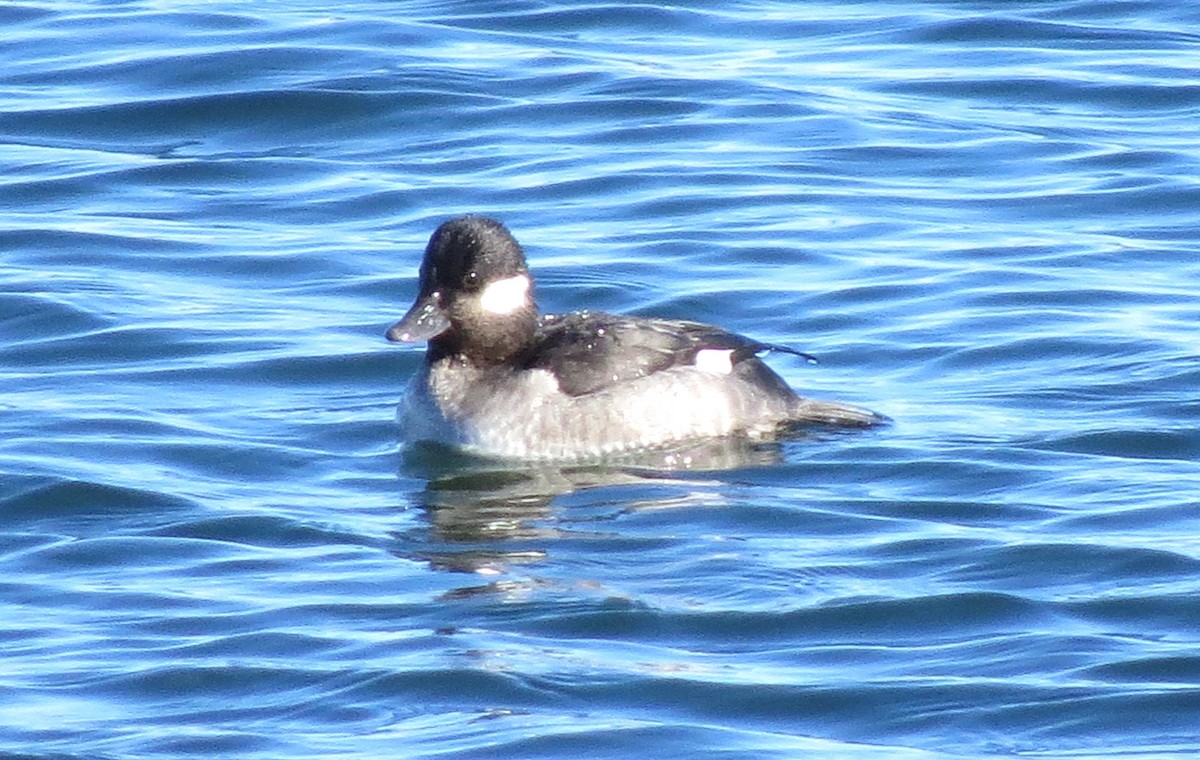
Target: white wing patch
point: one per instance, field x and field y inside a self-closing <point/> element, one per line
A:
<point x="505" y="296"/>
<point x="718" y="361"/>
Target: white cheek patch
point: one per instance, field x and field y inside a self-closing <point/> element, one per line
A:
<point x="715" y="360"/>
<point x="505" y="296"/>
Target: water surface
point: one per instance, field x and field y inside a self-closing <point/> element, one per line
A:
<point x="982" y="217"/>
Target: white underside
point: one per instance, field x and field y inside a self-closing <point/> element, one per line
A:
<point x="524" y="415"/>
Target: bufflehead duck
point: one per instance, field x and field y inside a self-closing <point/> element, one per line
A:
<point x="501" y="380"/>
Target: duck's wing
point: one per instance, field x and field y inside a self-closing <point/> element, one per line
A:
<point x="590" y="351"/>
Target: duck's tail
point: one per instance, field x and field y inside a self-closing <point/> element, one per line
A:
<point x="810" y="411"/>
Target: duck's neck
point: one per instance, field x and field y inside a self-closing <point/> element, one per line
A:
<point x="486" y="344"/>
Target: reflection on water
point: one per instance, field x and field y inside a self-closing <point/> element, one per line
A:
<point x="485" y="516"/>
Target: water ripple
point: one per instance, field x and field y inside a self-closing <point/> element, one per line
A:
<point x="981" y="219"/>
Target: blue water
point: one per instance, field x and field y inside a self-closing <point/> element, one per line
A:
<point x="983" y="217"/>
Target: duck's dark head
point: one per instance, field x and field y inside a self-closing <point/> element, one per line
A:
<point x="476" y="294"/>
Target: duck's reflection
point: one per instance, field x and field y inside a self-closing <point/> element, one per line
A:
<point x="486" y="516"/>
